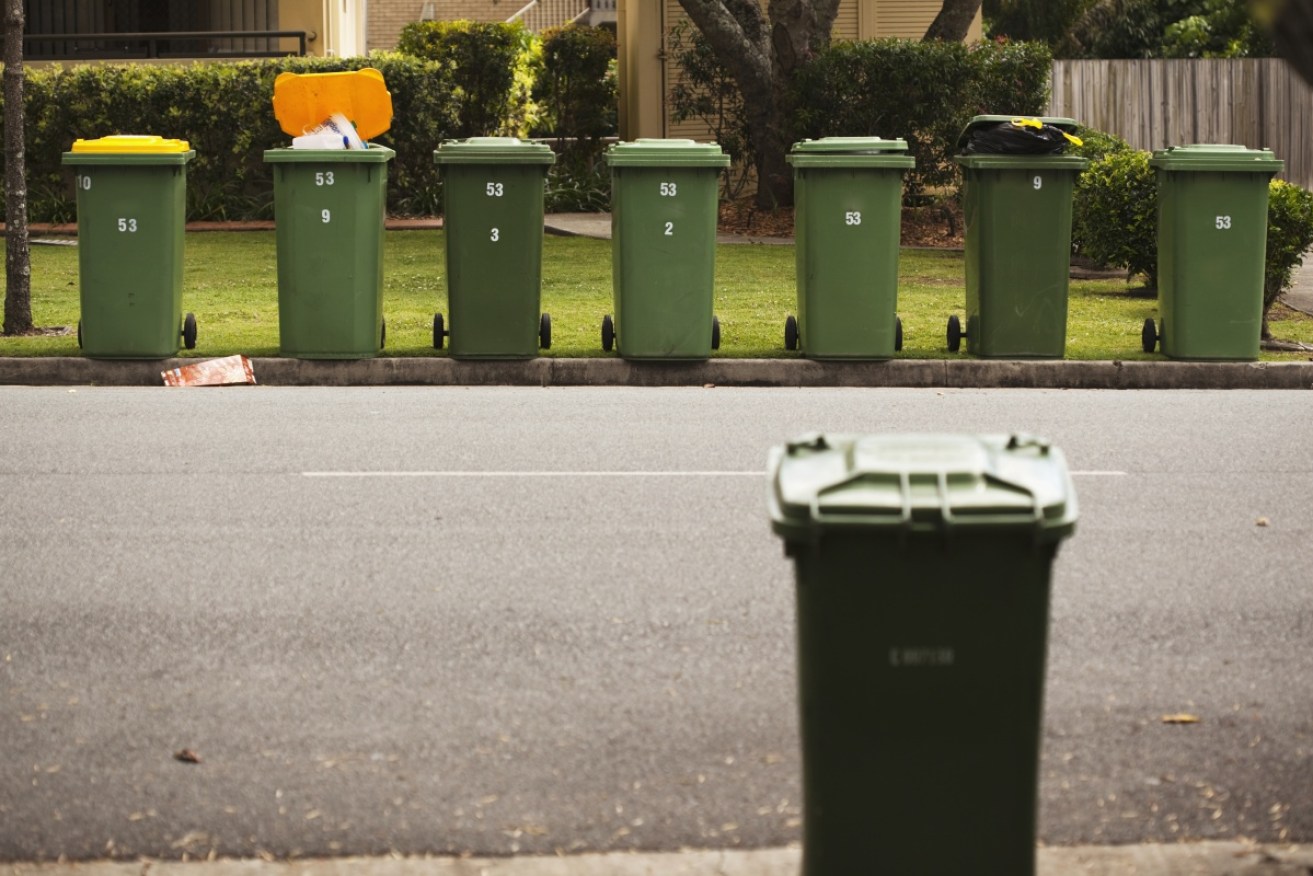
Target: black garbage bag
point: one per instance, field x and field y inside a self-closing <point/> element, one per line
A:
<point x="1017" y="137"/>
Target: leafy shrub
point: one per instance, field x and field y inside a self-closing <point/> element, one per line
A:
<point x="1289" y="235"/>
<point x="923" y="92"/>
<point x="1115" y="213"/>
<point x="1097" y="144"/>
<point x="229" y="178"/>
<point x="573" y="188"/>
<point x="576" y="87"/>
<point x="488" y="64"/>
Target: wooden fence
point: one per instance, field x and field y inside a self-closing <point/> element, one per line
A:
<point x="1256" y="102"/>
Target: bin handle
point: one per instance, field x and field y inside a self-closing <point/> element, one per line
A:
<point x="948" y="519"/>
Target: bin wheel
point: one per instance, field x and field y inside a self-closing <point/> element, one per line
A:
<point x="715" y="333"/>
<point x="383" y="335"/>
<point x="898" y="333"/>
<point x="608" y="333"/>
<point x="1148" y="336"/>
<point x="439" y="332"/>
<point x="189" y="331"/>
<point x="79" y="334"/>
<point x="791" y="333"/>
<point x="954" y="334"/>
<point x="545" y="331"/>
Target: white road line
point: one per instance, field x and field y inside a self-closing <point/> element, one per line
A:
<point x="584" y="474"/>
<point x="532" y="474"/>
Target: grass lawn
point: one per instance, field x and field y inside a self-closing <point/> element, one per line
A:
<point x="230" y="283"/>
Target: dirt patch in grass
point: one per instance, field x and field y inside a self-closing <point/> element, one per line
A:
<point x="930" y="226"/>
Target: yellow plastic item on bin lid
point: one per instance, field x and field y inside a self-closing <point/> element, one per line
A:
<point x="135" y="144"/>
<point x="304" y="100"/>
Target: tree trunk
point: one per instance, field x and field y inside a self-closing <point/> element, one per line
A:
<point x="18" y="267"/>
<point x="953" y="21"/>
<point x="762" y="51"/>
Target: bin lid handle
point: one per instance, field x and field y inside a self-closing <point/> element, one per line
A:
<point x="948" y="519"/>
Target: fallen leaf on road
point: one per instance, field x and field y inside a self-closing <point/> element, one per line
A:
<point x="1262" y="521"/>
<point x="186" y="755"/>
<point x="1182" y="718"/>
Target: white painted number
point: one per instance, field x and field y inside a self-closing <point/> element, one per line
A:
<point x="668" y="190"/>
<point x="495" y="190"/>
<point x="326" y="216"/>
<point x="324" y="179"/>
<point x="1038" y="183"/>
<point x="1223" y="223"/>
<point x="853" y="218"/>
<point x="495" y="235"/>
<point x="128" y="225"/>
<point x="84" y="182"/>
<point x="670" y="229"/>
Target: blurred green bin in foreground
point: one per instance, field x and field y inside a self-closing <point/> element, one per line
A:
<point x="848" y="196"/>
<point x="329" y="208"/>
<point x="132" y="214"/>
<point x="492" y="194"/>
<point x="1212" y="248"/>
<point x="922" y="567"/>
<point x="1017" y="211"/>
<point x="664" y="214"/>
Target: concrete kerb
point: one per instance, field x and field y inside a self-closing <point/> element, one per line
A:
<point x="1185" y="859"/>
<point x="929" y="373"/>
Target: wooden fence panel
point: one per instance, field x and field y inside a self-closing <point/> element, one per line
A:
<point x="1256" y="102"/>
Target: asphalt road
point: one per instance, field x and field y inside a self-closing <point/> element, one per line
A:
<point x="507" y="620"/>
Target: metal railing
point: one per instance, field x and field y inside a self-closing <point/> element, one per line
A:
<point x="87" y="46"/>
<point x="538" y="15"/>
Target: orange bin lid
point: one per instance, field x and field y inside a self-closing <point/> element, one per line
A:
<point x="304" y="100"/>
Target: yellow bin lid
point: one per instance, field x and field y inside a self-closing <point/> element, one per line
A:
<point x="304" y="100"/>
<point x="135" y="144"/>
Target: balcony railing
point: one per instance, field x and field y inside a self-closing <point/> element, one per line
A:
<point x="208" y="44"/>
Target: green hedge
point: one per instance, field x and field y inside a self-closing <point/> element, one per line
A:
<point x="228" y="179"/>
<point x="923" y="92"/>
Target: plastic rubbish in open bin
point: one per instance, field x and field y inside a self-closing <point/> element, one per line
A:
<point x="1017" y="211"/>
<point x="329" y="208"/>
<point x="923" y="567"/>
<point x="132" y="214"/>
<point x="663" y="243"/>
<point x="1212" y="250"/>
<point x="848" y="193"/>
<point x="492" y="195"/>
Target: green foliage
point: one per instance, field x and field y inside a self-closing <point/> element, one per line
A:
<point x="229" y="178"/>
<point x="708" y="92"/>
<point x="576" y="188"/>
<point x="923" y="92"/>
<point x="1289" y="236"/>
<point x="1166" y="29"/>
<point x="1045" y="21"/>
<point x="1115" y="213"/>
<point x="576" y="86"/>
<point x="484" y="62"/>
<point x="1097" y="144"/>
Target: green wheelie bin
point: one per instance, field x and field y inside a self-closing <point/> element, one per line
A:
<point x="1212" y="250"/>
<point x="1017" y="211"/>
<point x="922" y="567"/>
<point x="492" y="194"/>
<point x="328" y="209"/>
<point x="663" y="240"/>
<point x="132" y="213"/>
<point x="848" y="194"/>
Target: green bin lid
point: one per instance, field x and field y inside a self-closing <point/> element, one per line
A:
<point x="493" y="150"/>
<point x="1062" y="124"/>
<point x="666" y="153"/>
<point x="920" y="484"/>
<point x="371" y="155"/>
<point x="851" y="152"/>
<point x="1217" y="157"/>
